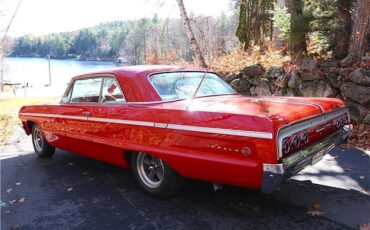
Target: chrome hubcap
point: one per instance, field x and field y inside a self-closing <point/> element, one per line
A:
<point x="38" y="139"/>
<point x="150" y="169"/>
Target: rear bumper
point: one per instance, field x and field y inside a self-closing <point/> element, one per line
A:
<point x="275" y="174"/>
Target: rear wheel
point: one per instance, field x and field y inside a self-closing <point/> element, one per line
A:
<point x="42" y="148"/>
<point x="155" y="176"/>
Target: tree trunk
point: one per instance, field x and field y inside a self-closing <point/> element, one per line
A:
<point x="360" y="29"/>
<point x="297" y="42"/>
<point x="277" y="42"/>
<point x="190" y="34"/>
<point x="344" y="31"/>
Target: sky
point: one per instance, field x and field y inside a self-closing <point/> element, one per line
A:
<point x="49" y="16"/>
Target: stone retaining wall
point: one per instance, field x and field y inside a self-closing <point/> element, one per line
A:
<point x="310" y="78"/>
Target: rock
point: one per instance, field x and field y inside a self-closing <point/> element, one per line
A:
<point x="348" y="61"/>
<point x="358" y="93"/>
<point x="240" y="85"/>
<point x="292" y="93"/>
<point x="317" y="89"/>
<point x="366" y="61"/>
<point x="308" y="64"/>
<point x="252" y="80"/>
<point x="281" y="81"/>
<point x="253" y="70"/>
<point x="294" y="81"/>
<point x="279" y="93"/>
<point x="232" y="76"/>
<point x="309" y="75"/>
<point x="275" y="72"/>
<point x="367" y="119"/>
<point x="262" y="89"/>
<point x="332" y="77"/>
<point x="327" y="64"/>
<point x="360" y="76"/>
<point x="358" y="112"/>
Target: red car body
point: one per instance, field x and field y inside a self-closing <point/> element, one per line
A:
<point x="225" y="139"/>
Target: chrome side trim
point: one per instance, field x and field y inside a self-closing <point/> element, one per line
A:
<point x="124" y="122"/>
<point x="84" y="118"/>
<point x="290" y="129"/>
<point x="231" y="132"/>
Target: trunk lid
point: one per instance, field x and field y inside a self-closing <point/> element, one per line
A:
<point x="284" y="109"/>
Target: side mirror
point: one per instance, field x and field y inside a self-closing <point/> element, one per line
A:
<point x="65" y="99"/>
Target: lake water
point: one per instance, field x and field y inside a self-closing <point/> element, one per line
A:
<point x="35" y="71"/>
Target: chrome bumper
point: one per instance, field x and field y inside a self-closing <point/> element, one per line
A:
<point x="275" y="174"/>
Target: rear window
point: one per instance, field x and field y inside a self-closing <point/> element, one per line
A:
<point x="181" y="85"/>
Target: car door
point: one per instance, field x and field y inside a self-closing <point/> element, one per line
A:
<point x="71" y="127"/>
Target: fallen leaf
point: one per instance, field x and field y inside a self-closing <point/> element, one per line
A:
<point x="316" y="206"/>
<point x="255" y="208"/>
<point x="17" y="226"/>
<point x="365" y="226"/>
<point x="315" y="213"/>
<point x="21" y="200"/>
<point x="12" y="201"/>
<point x="18" y="141"/>
<point x="9" y="190"/>
<point x="70" y="189"/>
<point x="362" y="177"/>
<point x="18" y="183"/>
<point x="70" y="164"/>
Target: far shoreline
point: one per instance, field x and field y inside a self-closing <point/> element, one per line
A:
<point x="92" y="59"/>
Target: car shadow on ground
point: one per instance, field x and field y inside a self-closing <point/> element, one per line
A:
<point x="70" y="191"/>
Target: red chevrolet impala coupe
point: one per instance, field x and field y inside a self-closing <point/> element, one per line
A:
<point x="168" y="123"/>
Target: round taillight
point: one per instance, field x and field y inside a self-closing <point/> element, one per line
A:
<point x="286" y="145"/>
<point x="295" y="142"/>
<point x="303" y="137"/>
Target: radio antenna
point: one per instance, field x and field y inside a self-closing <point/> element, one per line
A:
<point x="199" y="85"/>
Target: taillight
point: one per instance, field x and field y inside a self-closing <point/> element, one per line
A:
<point x="286" y="145"/>
<point x="295" y="142"/>
<point x="303" y="137"/>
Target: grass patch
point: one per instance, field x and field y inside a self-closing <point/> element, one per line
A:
<point x="9" y="109"/>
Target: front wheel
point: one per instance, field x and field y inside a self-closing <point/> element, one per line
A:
<point x="155" y="176"/>
<point x="42" y="148"/>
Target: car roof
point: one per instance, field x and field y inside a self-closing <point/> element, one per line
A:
<point x="134" y="79"/>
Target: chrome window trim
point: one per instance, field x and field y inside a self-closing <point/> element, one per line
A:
<point x="103" y="76"/>
<point x="307" y="123"/>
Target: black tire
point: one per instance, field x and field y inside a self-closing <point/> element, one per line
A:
<point x="168" y="185"/>
<point x="42" y="148"/>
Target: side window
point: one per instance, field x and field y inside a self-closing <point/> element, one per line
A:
<point x="86" y="90"/>
<point x="111" y="92"/>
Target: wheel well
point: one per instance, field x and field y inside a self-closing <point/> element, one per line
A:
<point x="29" y="125"/>
<point x="128" y="155"/>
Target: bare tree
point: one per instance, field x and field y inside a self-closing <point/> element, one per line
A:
<point x="2" y="46"/>
<point x="190" y="34"/>
<point x="360" y="29"/>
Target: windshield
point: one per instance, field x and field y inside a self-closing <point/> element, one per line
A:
<point x="180" y="85"/>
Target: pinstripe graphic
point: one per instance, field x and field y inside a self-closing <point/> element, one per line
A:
<point x="231" y="132"/>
